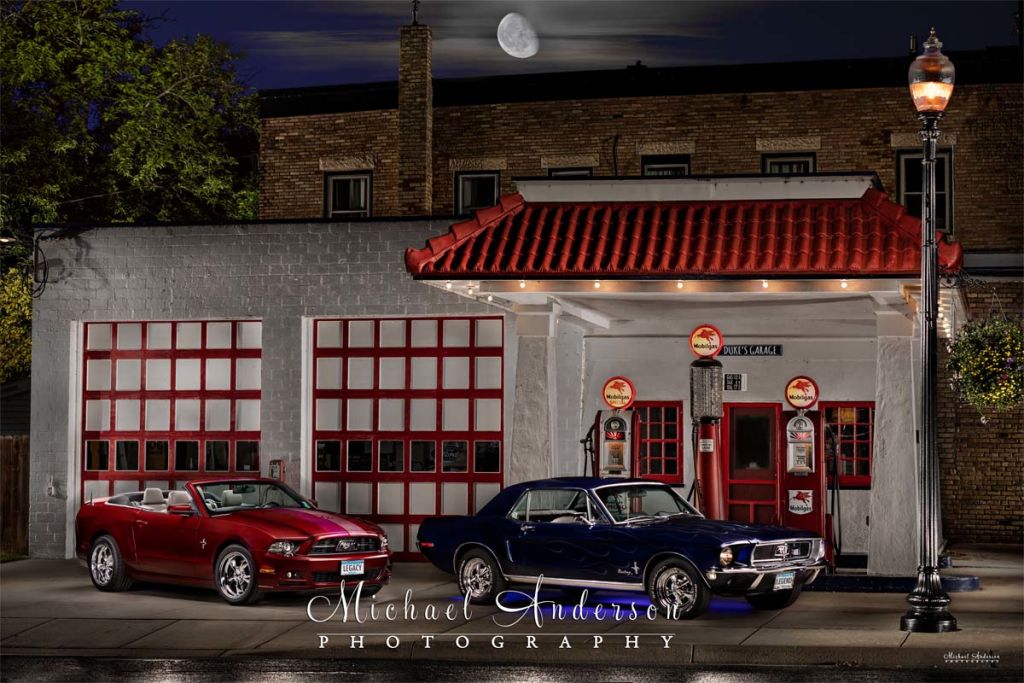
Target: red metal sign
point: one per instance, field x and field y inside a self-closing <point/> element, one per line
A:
<point x="801" y="392"/>
<point x="706" y="341"/>
<point x="618" y="393"/>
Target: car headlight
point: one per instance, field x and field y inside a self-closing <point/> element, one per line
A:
<point x="725" y="557"/>
<point x="383" y="541"/>
<point x="286" y="548"/>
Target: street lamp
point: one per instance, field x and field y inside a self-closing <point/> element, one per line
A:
<point x="931" y="85"/>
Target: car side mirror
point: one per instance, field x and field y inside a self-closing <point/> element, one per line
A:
<point x="183" y="509"/>
<point x="315" y="504"/>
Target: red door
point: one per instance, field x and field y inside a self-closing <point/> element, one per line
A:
<point x="750" y="448"/>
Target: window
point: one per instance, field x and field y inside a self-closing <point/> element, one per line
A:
<point x="475" y="190"/>
<point x="347" y="195"/>
<point x="848" y="437"/>
<point x="909" y="185"/>
<point x="660" y="448"/>
<point x="787" y="164"/>
<point x="578" y="172"/>
<point x="166" y="401"/>
<point x="669" y="165"/>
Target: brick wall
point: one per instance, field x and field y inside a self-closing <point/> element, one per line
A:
<point x="296" y="152"/>
<point x="847" y="129"/>
<point x="982" y="465"/>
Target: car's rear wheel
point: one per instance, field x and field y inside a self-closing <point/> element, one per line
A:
<point x="106" y="566"/>
<point x="480" y="578"/>
<point x="235" y="576"/>
<point x="677" y="591"/>
<point x="775" y="600"/>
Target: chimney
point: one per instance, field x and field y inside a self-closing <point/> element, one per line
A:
<point x="415" y="120"/>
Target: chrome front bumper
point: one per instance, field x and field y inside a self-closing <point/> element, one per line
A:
<point x="739" y="580"/>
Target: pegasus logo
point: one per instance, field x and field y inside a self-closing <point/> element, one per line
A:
<point x="782" y="551"/>
<point x="803" y="385"/>
<point x="618" y="385"/>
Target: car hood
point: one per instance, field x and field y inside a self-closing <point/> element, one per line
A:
<point x="293" y="522"/>
<point x="723" y="531"/>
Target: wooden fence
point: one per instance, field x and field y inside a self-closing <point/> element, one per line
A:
<point x="14" y="494"/>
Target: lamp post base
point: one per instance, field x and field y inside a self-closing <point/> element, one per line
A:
<point x="928" y="611"/>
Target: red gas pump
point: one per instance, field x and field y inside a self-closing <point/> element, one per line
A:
<point x="706" y="385"/>
<point x="802" y="468"/>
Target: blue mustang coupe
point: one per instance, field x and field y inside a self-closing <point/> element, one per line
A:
<point x="619" y="534"/>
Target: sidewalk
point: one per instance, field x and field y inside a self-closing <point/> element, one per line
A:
<point x="49" y="607"/>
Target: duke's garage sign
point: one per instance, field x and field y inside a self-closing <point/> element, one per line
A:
<point x="802" y="392"/>
<point x="618" y="393"/>
<point x="706" y="341"/>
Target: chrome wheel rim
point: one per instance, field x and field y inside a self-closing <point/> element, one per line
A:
<point x="675" y="590"/>
<point x="102" y="564"/>
<point x="476" y="577"/>
<point x="235" y="575"/>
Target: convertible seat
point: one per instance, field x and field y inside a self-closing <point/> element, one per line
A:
<point x="178" y="498"/>
<point x="153" y="499"/>
<point x="230" y="499"/>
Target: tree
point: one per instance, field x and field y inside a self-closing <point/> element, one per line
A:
<point x="98" y="124"/>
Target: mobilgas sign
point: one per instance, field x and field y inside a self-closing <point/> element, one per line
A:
<point x="752" y="350"/>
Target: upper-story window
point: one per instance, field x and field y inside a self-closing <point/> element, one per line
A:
<point x="575" y="172"/>
<point x="475" y="190"/>
<point x="347" y="195"/>
<point x="787" y="164"/>
<point x="670" y="165"/>
<point x="909" y="185"/>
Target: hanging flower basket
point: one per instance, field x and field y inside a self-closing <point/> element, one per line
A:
<point x="987" y="363"/>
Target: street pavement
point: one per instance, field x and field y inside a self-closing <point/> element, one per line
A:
<point x="49" y="608"/>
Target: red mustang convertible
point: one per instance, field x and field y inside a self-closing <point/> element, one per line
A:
<point x="241" y="536"/>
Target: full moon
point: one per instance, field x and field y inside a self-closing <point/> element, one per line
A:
<point x="517" y="37"/>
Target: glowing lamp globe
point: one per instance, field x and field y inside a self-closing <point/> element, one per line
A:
<point x="931" y="78"/>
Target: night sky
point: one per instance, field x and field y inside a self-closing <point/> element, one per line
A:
<point x="323" y="42"/>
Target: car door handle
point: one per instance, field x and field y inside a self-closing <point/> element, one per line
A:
<point x="527" y="527"/>
<point x="141" y="522"/>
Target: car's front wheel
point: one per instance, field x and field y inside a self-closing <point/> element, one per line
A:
<point x="677" y="591"/>
<point x="106" y="566"/>
<point x="775" y="600"/>
<point x="234" y="574"/>
<point x="480" y="578"/>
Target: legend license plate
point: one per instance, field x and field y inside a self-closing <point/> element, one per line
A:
<point x="355" y="567"/>
<point x="784" y="580"/>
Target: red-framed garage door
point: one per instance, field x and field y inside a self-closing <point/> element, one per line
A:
<point x="407" y="419"/>
<point x="167" y="402"/>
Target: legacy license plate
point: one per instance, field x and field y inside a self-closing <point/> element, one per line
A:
<point x="783" y="580"/>
<point x="355" y="567"/>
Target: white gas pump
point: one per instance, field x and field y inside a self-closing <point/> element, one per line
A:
<point x="614" y="442"/>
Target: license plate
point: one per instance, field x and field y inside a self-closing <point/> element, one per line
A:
<point x="784" y="580"/>
<point x="354" y="567"/>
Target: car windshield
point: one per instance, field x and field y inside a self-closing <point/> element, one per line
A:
<point x="232" y="496"/>
<point x="632" y="502"/>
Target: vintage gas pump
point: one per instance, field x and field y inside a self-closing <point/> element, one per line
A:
<point x="802" y="475"/>
<point x="706" y="412"/>
<point x="614" y="429"/>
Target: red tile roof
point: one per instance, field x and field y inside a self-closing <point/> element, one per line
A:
<point x="866" y="237"/>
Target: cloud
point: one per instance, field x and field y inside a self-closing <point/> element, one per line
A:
<point x="574" y="34"/>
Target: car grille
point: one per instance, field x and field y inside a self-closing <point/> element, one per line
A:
<point x="345" y="545"/>
<point x="783" y="551"/>
<point x="335" y="577"/>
